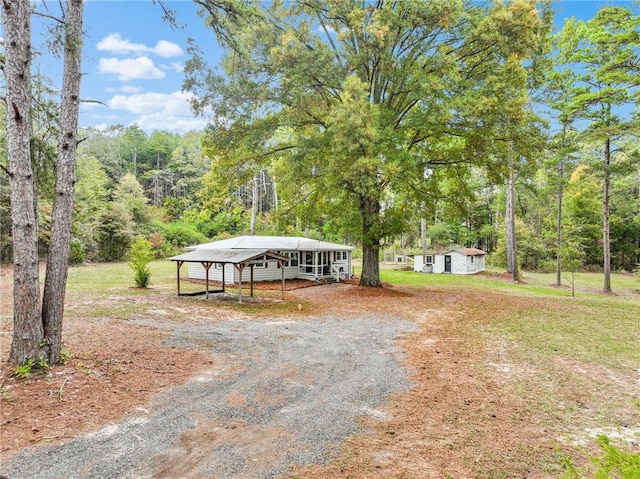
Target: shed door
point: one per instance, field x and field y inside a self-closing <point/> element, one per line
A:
<point x="447" y="263"/>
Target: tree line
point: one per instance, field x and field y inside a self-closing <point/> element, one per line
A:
<point x="417" y="123"/>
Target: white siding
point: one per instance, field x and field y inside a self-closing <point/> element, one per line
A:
<point x="460" y="263"/>
<point x="271" y="272"/>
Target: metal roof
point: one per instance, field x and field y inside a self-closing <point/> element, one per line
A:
<point x="467" y="251"/>
<point x="273" y="243"/>
<point x="234" y="256"/>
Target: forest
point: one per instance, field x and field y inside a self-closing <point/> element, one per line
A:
<point x="403" y="125"/>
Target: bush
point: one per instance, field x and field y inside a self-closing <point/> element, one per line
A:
<point x="113" y="233"/>
<point x="77" y="252"/>
<point x="161" y="249"/>
<point x="140" y="256"/>
<point x="183" y="234"/>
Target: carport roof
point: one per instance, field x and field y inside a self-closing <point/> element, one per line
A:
<point x="223" y="256"/>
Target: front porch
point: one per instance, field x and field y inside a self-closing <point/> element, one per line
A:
<point x="324" y="265"/>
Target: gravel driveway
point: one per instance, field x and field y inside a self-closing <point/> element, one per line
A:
<point x="278" y="394"/>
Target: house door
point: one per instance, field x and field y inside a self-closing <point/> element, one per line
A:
<point x="447" y="263"/>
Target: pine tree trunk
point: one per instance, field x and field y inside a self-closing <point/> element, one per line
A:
<point x="254" y="206"/>
<point x="370" y="211"/>
<point x="510" y="219"/>
<point x="559" y="224"/>
<point x="61" y="219"/>
<point x="27" y="326"/>
<point x="559" y="217"/>
<point x="606" y="243"/>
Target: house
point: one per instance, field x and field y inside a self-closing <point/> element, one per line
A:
<point x="454" y="261"/>
<point x="305" y="258"/>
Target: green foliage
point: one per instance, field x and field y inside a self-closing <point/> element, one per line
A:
<point x="440" y="234"/>
<point x="181" y="234"/>
<point x="113" y="232"/>
<point x="140" y="255"/>
<point x="130" y="194"/>
<point x="77" y="252"/>
<point x="25" y="371"/>
<point x="365" y="122"/>
<point x="161" y="249"/>
<point x="533" y="253"/>
<point x="28" y="369"/>
<point x="612" y="462"/>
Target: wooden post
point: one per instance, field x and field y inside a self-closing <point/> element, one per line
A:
<point x="179" y="265"/>
<point x="281" y="263"/>
<point x="240" y="267"/>
<point x="251" y="275"/>
<point x="207" y="266"/>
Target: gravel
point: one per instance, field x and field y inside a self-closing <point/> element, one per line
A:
<point x="280" y="393"/>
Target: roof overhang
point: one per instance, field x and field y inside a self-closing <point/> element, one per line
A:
<point x="229" y="256"/>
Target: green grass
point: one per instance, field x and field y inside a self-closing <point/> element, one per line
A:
<point x="593" y="327"/>
<point x="531" y="284"/>
<point x="604" y="331"/>
<point x="108" y="278"/>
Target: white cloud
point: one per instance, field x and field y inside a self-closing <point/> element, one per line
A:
<point x="177" y="67"/>
<point x="168" y="104"/>
<point x="130" y="89"/>
<point x="173" y="124"/>
<point x="141" y="68"/>
<point x="114" y="43"/>
<point x="167" y="49"/>
<point x="154" y="111"/>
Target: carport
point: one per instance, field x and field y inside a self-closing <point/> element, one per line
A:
<point x="240" y="259"/>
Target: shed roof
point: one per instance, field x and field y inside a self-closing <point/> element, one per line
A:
<point x="273" y="243"/>
<point x="467" y="251"/>
<point x="222" y="256"/>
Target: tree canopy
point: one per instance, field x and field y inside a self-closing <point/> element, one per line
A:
<point x="372" y="95"/>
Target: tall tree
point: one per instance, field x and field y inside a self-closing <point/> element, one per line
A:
<point x="604" y="52"/>
<point x="562" y="146"/>
<point x="61" y="221"/>
<point x="28" y="331"/>
<point x="38" y="330"/>
<point x="373" y="93"/>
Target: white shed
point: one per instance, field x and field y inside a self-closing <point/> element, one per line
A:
<point x="454" y="261"/>
<point x="306" y="259"/>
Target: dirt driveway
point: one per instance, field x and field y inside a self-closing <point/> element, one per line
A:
<point x="342" y="382"/>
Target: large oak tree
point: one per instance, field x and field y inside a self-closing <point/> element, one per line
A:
<point x="375" y="96"/>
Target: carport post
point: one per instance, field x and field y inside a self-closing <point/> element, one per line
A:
<point x="281" y="263"/>
<point x="206" y="265"/>
<point x="240" y="267"/>
<point x="179" y="265"/>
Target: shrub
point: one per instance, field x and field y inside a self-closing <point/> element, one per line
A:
<point x="140" y="256"/>
<point x="183" y="234"/>
<point x="113" y="232"/>
<point x="77" y="252"/>
<point x="161" y="249"/>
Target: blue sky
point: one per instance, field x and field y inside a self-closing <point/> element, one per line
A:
<point x="133" y="60"/>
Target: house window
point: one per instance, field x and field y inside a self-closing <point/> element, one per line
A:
<point x="285" y="263"/>
<point x="294" y="258"/>
<point x="428" y="259"/>
<point x="263" y="264"/>
<point x="340" y="256"/>
<point x="472" y="258"/>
